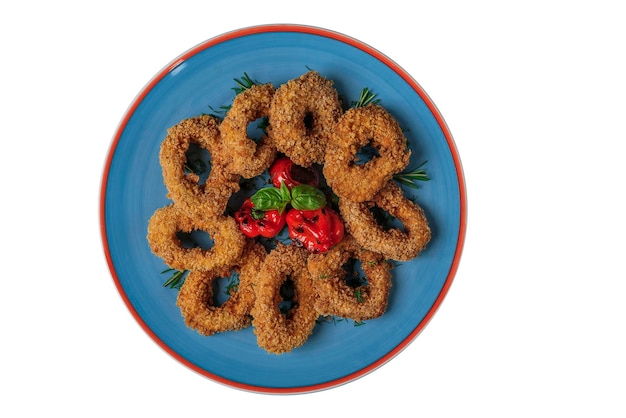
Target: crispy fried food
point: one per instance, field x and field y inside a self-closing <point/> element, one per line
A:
<point x="197" y="200"/>
<point x="278" y="332"/>
<point x="196" y="298"/>
<point x="248" y="158"/>
<point x="168" y="221"/>
<point x="335" y="296"/>
<point x="302" y="115"/>
<point x="357" y="128"/>
<point x="396" y="244"/>
<point x="308" y="125"/>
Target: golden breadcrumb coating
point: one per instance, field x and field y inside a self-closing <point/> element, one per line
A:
<point x="195" y="298"/>
<point x="357" y="128"/>
<point x="197" y="200"/>
<point x="167" y="222"/>
<point x="335" y="296"/>
<point x="302" y="115"/>
<point x="396" y="244"/>
<point x="308" y="125"/>
<point x="245" y="156"/>
<point x="277" y="332"/>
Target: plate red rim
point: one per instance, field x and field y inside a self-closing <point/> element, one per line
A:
<point x="259" y="29"/>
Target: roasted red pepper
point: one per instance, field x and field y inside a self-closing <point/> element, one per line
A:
<point x="316" y="230"/>
<point x="253" y="222"/>
<point x="284" y="170"/>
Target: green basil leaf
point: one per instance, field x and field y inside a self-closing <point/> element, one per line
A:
<point x="271" y="198"/>
<point x="306" y="197"/>
<point x="284" y="191"/>
<point x="267" y="199"/>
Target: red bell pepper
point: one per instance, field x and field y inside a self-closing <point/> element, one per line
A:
<point x="316" y="230"/>
<point x="253" y="222"/>
<point x="284" y="170"/>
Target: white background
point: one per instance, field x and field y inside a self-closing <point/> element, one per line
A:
<point x="534" y="95"/>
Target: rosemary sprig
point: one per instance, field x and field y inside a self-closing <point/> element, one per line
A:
<point x="196" y="165"/>
<point x="263" y="124"/>
<point x="176" y="280"/>
<point x="330" y="319"/>
<point x="335" y="320"/>
<point x="366" y="97"/>
<point x="218" y="112"/>
<point x="411" y="177"/>
<point x="233" y="284"/>
<point x="243" y="83"/>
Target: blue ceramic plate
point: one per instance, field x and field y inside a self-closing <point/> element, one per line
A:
<point x="132" y="189"/>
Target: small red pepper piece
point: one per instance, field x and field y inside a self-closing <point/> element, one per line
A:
<point x="253" y="222"/>
<point x="285" y="170"/>
<point x="316" y="230"/>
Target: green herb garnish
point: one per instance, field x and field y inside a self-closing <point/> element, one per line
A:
<point x="176" y="280"/>
<point x="409" y="178"/>
<point x="306" y="197"/>
<point x="233" y="284"/>
<point x="244" y="83"/>
<point x="272" y="198"/>
<point x="358" y="295"/>
<point x="366" y="97"/>
<point x="301" y="197"/>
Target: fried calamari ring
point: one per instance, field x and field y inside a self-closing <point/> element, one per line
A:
<point x="198" y="200"/>
<point x="302" y="115"/>
<point x="277" y="332"/>
<point x="167" y="222"/>
<point x="196" y="298"/>
<point x="396" y="244"/>
<point x="357" y="128"/>
<point x="249" y="158"/>
<point x="338" y="298"/>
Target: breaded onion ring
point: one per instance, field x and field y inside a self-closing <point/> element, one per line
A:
<point x="197" y="200"/>
<point x="277" y="332"/>
<point x="196" y="299"/>
<point x="302" y="115"/>
<point x="357" y="128"/>
<point x="396" y="244"/>
<point x="247" y="157"/>
<point x="335" y="296"/>
<point x="167" y="222"/>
